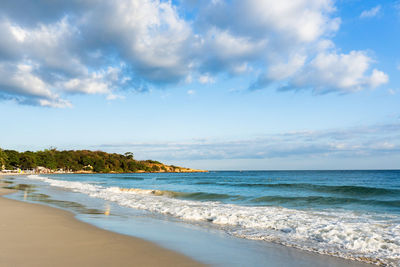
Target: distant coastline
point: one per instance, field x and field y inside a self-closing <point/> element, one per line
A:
<point x="54" y="235"/>
<point x="52" y="161"/>
<point x="27" y="172"/>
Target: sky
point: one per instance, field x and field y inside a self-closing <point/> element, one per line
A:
<point x="218" y="85"/>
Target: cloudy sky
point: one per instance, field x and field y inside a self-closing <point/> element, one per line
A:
<point x="219" y="84"/>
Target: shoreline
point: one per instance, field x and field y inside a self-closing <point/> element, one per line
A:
<point x="88" y="172"/>
<point x="39" y="235"/>
<point x="272" y="253"/>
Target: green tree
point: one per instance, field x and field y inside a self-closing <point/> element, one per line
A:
<point x="155" y="168"/>
<point x="129" y="155"/>
<point x="99" y="165"/>
<point x="77" y="160"/>
<point x="12" y="159"/>
<point x="46" y="159"/>
<point x="27" y="160"/>
<point x="3" y="158"/>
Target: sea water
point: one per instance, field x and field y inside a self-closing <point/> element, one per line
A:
<point x="349" y="214"/>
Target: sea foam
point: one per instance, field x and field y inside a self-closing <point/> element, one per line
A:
<point x="366" y="237"/>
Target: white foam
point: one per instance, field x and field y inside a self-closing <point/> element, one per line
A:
<point x="363" y="237"/>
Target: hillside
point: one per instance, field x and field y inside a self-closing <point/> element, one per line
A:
<point x="81" y="161"/>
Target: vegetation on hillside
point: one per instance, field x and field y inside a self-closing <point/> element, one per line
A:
<point x="78" y="160"/>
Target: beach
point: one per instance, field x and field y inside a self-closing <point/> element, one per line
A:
<point x="37" y="235"/>
<point x="223" y="133"/>
<point x="78" y="215"/>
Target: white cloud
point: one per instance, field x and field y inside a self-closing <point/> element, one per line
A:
<point x="283" y="70"/>
<point x="339" y="72"/>
<point x="9" y="48"/>
<point x="377" y="78"/>
<point x="88" y="86"/>
<point x="58" y="103"/>
<point x="241" y="68"/>
<point x="114" y="97"/>
<point x="206" y="78"/>
<point x="104" y="47"/>
<point x="51" y="46"/>
<point x="230" y="46"/>
<point x="150" y="35"/>
<point x="299" y="21"/>
<point x="191" y="92"/>
<point x="371" y="12"/>
<point x="95" y="83"/>
<point x="20" y="79"/>
<point x="351" y="142"/>
<point x="294" y="39"/>
<point x="18" y="33"/>
<point x="384" y="146"/>
<point x="72" y="54"/>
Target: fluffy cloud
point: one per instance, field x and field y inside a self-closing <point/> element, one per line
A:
<point x="94" y="48"/>
<point x="339" y="72"/>
<point x="204" y="79"/>
<point x="371" y="12"/>
<point x="21" y="81"/>
<point x="351" y="142"/>
<point x="191" y="92"/>
<point x="148" y="35"/>
<point x="104" y="47"/>
<point x="38" y="61"/>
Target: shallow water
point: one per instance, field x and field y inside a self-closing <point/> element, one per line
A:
<point x="351" y="214"/>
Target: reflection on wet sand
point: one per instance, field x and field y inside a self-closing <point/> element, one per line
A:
<point x="30" y="195"/>
<point x="6" y="180"/>
<point x="21" y="187"/>
<point x="108" y="210"/>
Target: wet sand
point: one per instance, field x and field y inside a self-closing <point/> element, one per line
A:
<point x="39" y="235"/>
<point x="36" y="235"/>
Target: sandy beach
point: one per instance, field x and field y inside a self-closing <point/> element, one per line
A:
<point x="36" y="235"/>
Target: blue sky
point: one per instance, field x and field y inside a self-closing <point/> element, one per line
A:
<point x="205" y="84"/>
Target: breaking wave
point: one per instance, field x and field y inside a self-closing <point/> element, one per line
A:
<point x="345" y="189"/>
<point x="366" y="237"/>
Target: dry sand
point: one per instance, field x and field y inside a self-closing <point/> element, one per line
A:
<point x="36" y="235"/>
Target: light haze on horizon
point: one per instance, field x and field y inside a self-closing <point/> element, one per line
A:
<point x="219" y="84"/>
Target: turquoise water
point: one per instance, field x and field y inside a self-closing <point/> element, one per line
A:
<point x="350" y="214"/>
<point x="377" y="191"/>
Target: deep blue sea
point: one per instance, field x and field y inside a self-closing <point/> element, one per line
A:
<point x="350" y="214"/>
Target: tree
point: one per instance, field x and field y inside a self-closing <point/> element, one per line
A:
<point x="3" y="158"/>
<point x="46" y="159"/>
<point x="77" y="161"/>
<point x="155" y="168"/>
<point x="12" y="159"/>
<point x="27" y="160"/>
<point x="99" y="165"/>
<point x="129" y="155"/>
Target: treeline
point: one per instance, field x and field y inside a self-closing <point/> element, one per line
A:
<point x="76" y="160"/>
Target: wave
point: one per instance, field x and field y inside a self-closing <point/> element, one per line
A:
<point x="209" y="196"/>
<point x="344" y="189"/>
<point x="324" y="201"/>
<point x="366" y="237"/>
<point x="128" y="178"/>
<point x="149" y="191"/>
<point x="207" y="183"/>
<point x="174" y="194"/>
<point x="298" y="201"/>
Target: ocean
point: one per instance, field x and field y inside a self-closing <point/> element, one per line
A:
<point x="348" y="214"/>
